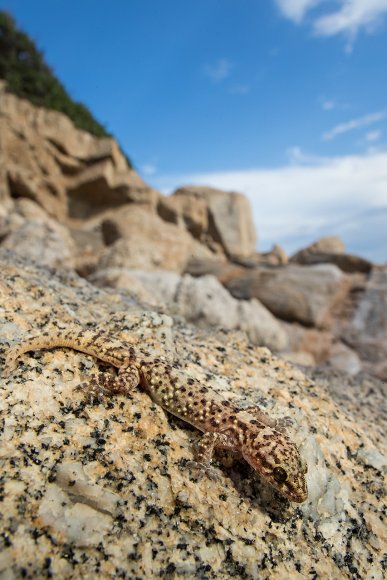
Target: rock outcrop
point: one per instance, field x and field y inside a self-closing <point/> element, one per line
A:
<point x="328" y="244"/>
<point x="105" y="488"/>
<point x="66" y="171"/>
<point x="203" y="301"/>
<point x="367" y="330"/>
<point x="137" y="238"/>
<point x="217" y="218"/>
<point x="295" y="293"/>
<point x="85" y="183"/>
<point x="331" y="250"/>
<point x="68" y="200"/>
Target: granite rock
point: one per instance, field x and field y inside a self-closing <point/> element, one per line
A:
<point x="203" y="301"/>
<point x="139" y="239"/>
<point x="316" y="342"/>
<point x="346" y="262"/>
<point x="191" y="211"/>
<point x="103" y="489"/>
<point x="276" y="256"/>
<point x="305" y="294"/>
<point x="230" y="220"/>
<point x="344" y="359"/>
<point x="43" y="241"/>
<point x="331" y="244"/>
<point x="100" y="187"/>
<point x="366" y="331"/>
<point x="216" y="266"/>
<point x="157" y="289"/>
<point x="331" y="250"/>
<point x="67" y="171"/>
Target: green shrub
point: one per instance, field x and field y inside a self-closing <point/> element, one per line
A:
<point x="27" y="75"/>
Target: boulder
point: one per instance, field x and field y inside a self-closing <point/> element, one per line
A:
<point x="203" y="301"/>
<point x="43" y="241"/>
<point x="131" y="280"/>
<point x="276" y="256"/>
<point x="188" y="210"/>
<point x="300" y="358"/>
<point x="142" y="240"/>
<point x="366" y="332"/>
<point x="305" y="294"/>
<point x="330" y="244"/>
<point x="230" y="221"/>
<point x="260" y="325"/>
<point x="346" y="262"/>
<point x="100" y="187"/>
<point x="344" y="359"/>
<point x="90" y="246"/>
<point x="214" y="266"/>
<point x="314" y="341"/>
<point x="9" y="221"/>
<point x="331" y="250"/>
<point x="28" y="209"/>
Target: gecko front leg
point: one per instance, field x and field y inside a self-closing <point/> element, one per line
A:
<point x="205" y="450"/>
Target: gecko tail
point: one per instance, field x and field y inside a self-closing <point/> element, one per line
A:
<point x="29" y="344"/>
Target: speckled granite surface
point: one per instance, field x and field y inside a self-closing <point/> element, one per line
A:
<point x="101" y="490"/>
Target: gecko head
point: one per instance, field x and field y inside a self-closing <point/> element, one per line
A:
<point x="276" y="458"/>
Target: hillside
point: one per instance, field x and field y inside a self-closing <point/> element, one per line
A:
<point x="23" y="67"/>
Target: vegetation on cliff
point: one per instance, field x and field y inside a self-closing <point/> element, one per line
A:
<point x="27" y="75"/>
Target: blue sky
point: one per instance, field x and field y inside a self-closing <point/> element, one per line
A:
<point x="284" y="100"/>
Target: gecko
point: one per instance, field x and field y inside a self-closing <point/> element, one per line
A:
<point x="250" y="432"/>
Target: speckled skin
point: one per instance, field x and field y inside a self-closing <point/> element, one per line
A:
<point x="250" y="432"/>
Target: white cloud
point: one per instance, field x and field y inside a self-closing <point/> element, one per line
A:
<point x="219" y="71"/>
<point x="349" y="18"/>
<point x="373" y="136"/>
<point x="296" y="204"/>
<point x="296" y="9"/>
<point x="357" y="123"/>
<point x="148" y="169"/>
<point x="330" y="104"/>
<point x="297" y="156"/>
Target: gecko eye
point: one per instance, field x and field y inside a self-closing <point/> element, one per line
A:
<point x="280" y="474"/>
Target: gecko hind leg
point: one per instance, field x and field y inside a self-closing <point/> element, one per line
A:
<point x="104" y="383"/>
